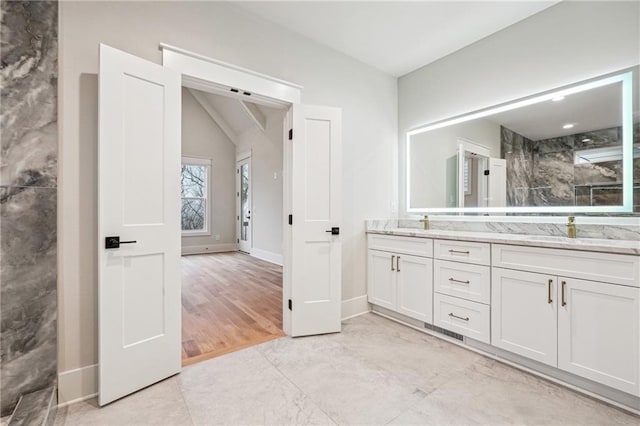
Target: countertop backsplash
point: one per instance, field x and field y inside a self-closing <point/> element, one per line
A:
<point x="600" y="231"/>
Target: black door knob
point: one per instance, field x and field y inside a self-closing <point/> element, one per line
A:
<point x="334" y="231"/>
<point x="114" y="242"/>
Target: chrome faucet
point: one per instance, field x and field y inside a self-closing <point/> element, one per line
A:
<point x="426" y="222"/>
<point x="571" y="227"/>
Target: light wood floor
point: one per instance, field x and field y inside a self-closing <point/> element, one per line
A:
<point x="229" y="301"/>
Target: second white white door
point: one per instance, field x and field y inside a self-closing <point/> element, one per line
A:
<point x="139" y="224"/>
<point x="243" y="194"/>
<point x="316" y="259"/>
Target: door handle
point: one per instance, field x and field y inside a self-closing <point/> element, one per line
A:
<point x="334" y="231"/>
<point x="114" y="242"/>
<point x="392" y="259"/>
<point x="398" y="264"/>
<point x="564" y="300"/>
<point x="549" y="300"/>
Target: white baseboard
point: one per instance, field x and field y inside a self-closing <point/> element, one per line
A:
<point x="267" y="255"/>
<point x="210" y="248"/>
<point x="77" y="385"/>
<point x="354" y="307"/>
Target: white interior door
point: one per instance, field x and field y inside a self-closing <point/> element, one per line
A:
<point x="497" y="182"/>
<point x="139" y="189"/>
<point x="316" y="270"/>
<point x="245" y="230"/>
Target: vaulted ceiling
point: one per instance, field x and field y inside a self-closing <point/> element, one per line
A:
<point x="396" y="37"/>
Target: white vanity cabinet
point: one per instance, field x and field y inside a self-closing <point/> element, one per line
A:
<point x="599" y="332"/>
<point x="462" y="288"/>
<point x="573" y="313"/>
<point x="524" y="314"/>
<point x="400" y="275"/>
<point x="590" y="328"/>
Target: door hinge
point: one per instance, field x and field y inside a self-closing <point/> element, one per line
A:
<point x="290" y="134"/>
<point x="290" y="219"/>
<point x="290" y="305"/>
<point x="486" y="172"/>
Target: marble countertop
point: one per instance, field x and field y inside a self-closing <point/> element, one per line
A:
<point x="586" y="244"/>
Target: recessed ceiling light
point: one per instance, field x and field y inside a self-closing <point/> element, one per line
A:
<point x="586" y="140"/>
<point x="568" y="126"/>
<point x="557" y="98"/>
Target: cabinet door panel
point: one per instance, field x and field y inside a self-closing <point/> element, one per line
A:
<point x="381" y="279"/>
<point x="522" y="319"/>
<point x="415" y="287"/>
<point x="599" y="333"/>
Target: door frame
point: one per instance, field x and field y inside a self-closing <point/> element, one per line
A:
<point x="220" y="78"/>
<point x="240" y="158"/>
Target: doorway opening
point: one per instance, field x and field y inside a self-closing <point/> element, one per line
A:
<point x="139" y="187"/>
<point x="231" y="262"/>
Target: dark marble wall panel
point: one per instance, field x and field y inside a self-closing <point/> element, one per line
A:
<point x="28" y="194"/>
<point x="518" y="151"/>
<point x="553" y="179"/>
<point x="545" y="170"/>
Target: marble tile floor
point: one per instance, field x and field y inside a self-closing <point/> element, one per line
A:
<point x="375" y="372"/>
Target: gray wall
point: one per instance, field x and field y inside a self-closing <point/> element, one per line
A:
<point x="201" y="137"/>
<point x="28" y="193"/>
<point x="266" y="162"/>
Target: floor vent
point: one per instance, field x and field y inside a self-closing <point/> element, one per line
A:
<point x="443" y="331"/>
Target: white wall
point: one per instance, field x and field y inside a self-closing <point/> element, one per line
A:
<point x="266" y="185"/>
<point x="201" y="137"/>
<point x="565" y="43"/>
<point x="368" y="99"/>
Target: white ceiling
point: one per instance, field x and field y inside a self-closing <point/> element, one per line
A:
<point x="594" y="109"/>
<point x="395" y="37"/>
<point x="231" y="112"/>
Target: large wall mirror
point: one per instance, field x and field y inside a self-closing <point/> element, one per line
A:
<point x="570" y="150"/>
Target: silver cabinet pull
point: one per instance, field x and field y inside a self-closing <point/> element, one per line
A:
<point x="392" y="259"/>
<point x="398" y="264"/>
<point x="451" y="314"/>
<point x="459" y="281"/>
<point x="549" y="300"/>
<point x="564" y="300"/>
<point x="458" y="251"/>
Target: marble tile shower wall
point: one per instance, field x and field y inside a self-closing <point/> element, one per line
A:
<point x="28" y="197"/>
<point x="543" y="173"/>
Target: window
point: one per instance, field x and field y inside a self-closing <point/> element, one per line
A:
<point x="194" y="190"/>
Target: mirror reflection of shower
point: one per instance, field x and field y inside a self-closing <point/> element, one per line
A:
<point x="575" y="149"/>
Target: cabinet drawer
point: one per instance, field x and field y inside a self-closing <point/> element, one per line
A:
<point x="407" y="245"/>
<point x="463" y="251"/>
<point x="470" y="319"/>
<point x="604" y="267"/>
<point x="471" y="282"/>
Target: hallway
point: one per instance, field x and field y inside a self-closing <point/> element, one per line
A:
<point x="230" y="301"/>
